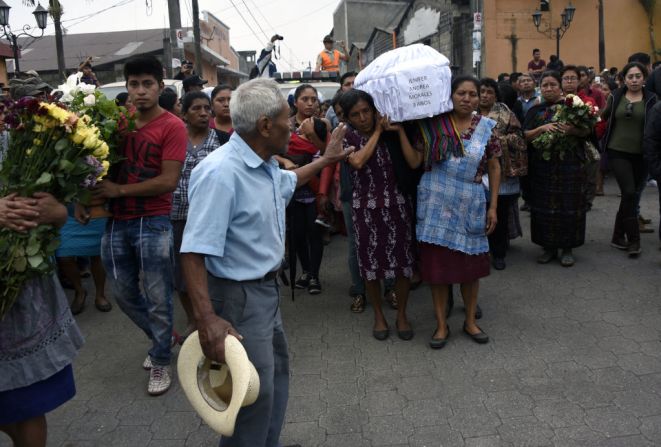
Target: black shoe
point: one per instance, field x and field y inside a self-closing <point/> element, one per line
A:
<point x="303" y="282"/>
<point x="499" y="263"/>
<point x="405" y="335"/>
<point x="314" y="286"/>
<point x="633" y="250"/>
<point x="381" y="335"/>
<point x="478" y="312"/>
<point x="438" y="343"/>
<point x="619" y="243"/>
<point x="480" y="337"/>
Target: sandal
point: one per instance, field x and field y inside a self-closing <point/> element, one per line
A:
<point x="547" y="256"/>
<point x="391" y="297"/>
<point x="78" y="306"/>
<point x="103" y="307"/>
<point x="358" y="304"/>
<point x="567" y="258"/>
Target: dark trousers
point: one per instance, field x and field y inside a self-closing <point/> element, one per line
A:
<point x="498" y="240"/>
<point x="630" y="174"/>
<point x="307" y="236"/>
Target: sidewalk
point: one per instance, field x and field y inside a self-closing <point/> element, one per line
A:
<point x="575" y="360"/>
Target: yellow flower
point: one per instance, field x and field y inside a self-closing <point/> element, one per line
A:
<point x="28" y="151"/>
<point x="102" y="151"/>
<point x="37" y="142"/>
<point x="38" y="127"/>
<point x="80" y="134"/>
<point x="106" y="165"/>
<point x="91" y="141"/>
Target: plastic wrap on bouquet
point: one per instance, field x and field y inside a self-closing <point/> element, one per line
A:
<point x="408" y="83"/>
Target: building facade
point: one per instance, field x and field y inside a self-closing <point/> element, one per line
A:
<point x="510" y="35"/>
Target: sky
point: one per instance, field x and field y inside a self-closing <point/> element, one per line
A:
<point x="303" y="23"/>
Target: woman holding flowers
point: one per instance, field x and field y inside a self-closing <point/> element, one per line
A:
<point x="627" y="111"/>
<point x="38" y="335"/>
<point x="557" y="131"/>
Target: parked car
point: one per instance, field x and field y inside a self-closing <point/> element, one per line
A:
<point x="112" y="89"/>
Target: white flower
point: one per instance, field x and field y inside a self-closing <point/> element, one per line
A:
<point x="577" y="101"/>
<point x="87" y="89"/>
<point x="70" y="87"/>
<point x="89" y="100"/>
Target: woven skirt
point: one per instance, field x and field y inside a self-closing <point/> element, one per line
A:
<point x="440" y="265"/>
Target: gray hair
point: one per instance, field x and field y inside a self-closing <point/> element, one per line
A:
<point x="253" y="100"/>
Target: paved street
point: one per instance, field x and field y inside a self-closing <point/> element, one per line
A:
<point x="575" y="360"/>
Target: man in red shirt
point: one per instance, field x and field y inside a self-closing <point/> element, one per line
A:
<point x="537" y="65"/>
<point x="137" y="245"/>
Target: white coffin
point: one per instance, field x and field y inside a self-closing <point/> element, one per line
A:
<point x="408" y="83"/>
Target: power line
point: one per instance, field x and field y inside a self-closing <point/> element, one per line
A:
<point x="92" y="14"/>
<point x="256" y="21"/>
<point x="250" y="27"/>
<point x="264" y="33"/>
<point x="274" y="30"/>
<point x="298" y="18"/>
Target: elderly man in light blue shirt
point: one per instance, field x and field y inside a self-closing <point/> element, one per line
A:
<point x="233" y="245"/>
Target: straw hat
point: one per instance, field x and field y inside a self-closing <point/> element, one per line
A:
<point x="217" y="391"/>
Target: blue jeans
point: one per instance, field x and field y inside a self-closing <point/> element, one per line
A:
<point x="253" y="308"/>
<point x="141" y="249"/>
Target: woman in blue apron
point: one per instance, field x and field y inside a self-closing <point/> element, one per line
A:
<point x="453" y="221"/>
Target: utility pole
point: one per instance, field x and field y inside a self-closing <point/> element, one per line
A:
<point x="175" y="24"/>
<point x="197" y="41"/>
<point x="602" y="39"/>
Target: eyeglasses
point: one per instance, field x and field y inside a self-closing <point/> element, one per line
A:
<point x="570" y="79"/>
<point x="628" y="110"/>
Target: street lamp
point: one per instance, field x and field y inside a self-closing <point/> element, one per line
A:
<point x="40" y="15"/>
<point x="566" y="17"/>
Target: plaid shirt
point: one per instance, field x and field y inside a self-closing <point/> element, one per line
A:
<point x="193" y="157"/>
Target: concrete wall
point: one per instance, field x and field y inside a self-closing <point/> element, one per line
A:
<point x="444" y="25"/>
<point x="362" y="17"/>
<point x="510" y="36"/>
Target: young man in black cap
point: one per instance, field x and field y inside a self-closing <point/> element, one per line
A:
<point x="185" y="71"/>
<point x="194" y="84"/>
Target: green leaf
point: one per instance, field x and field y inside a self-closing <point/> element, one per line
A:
<point x="35" y="261"/>
<point x="44" y="179"/>
<point x="546" y="155"/>
<point x="65" y="165"/>
<point x="20" y="264"/>
<point x="32" y="248"/>
<point x="61" y="144"/>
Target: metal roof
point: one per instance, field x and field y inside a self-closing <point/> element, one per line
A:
<point x="105" y="48"/>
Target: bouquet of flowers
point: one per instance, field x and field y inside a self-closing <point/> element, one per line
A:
<point x="56" y="150"/>
<point x="571" y="111"/>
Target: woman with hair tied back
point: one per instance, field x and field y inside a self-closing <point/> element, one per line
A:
<point x="381" y="206"/>
<point x="308" y="141"/>
<point x="626" y="110"/>
<point x="196" y="112"/>
<point x="456" y="149"/>
<point x="558" y="178"/>
<point x="513" y="164"/>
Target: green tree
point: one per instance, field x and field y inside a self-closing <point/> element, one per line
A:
<point x="55" y="10"/>
<point x="649" y="6"/>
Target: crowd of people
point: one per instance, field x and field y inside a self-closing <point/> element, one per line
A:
<point x="218" y="194"/>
